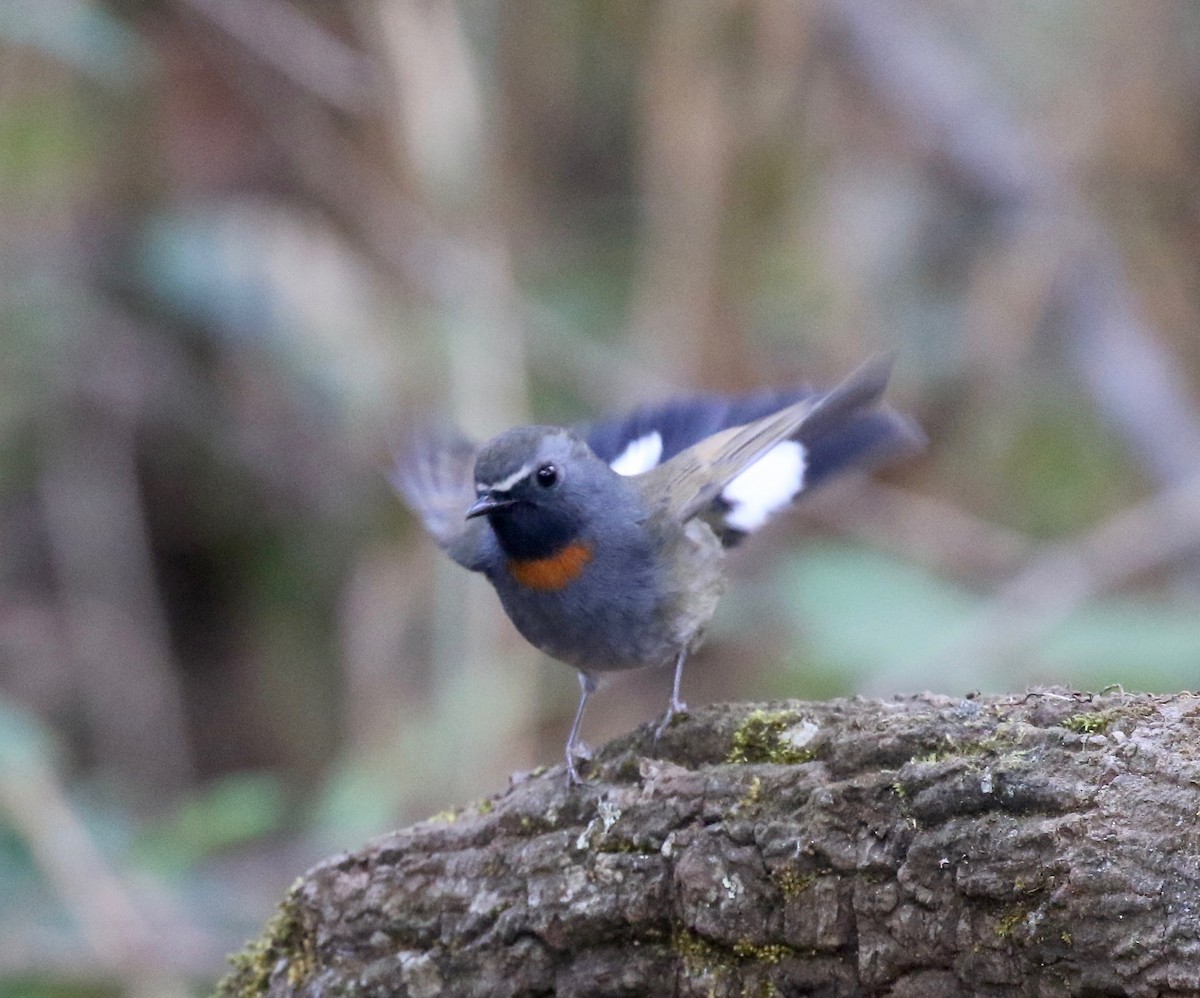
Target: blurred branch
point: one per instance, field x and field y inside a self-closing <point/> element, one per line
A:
<point x="947" y="110"/>
<point x="416" y="245"/>
<point x="115" y="621"/>
<point x="440" y="139"/>
<point x="117" y="932"/>
<point x="292" y="43"/>
<point x="923" y="529"/>
<point x="1054" y="584"/>
<point x="951" y="113"/>
<point x="686" y="150"/>
<point x="1138" y="383"/>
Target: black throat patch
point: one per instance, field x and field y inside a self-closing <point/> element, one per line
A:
<point x="527" y="532"/>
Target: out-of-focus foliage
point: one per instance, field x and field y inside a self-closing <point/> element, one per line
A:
<point x="864" y="616"/>
<point x="244" y="245"/>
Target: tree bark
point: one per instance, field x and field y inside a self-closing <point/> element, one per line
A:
<point x="1038" y="845"/>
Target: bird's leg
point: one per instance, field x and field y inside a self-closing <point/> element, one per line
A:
<point x="676" y="706"/>
<point x="575" y="748"/>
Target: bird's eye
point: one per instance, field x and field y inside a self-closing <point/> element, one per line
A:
<point x="547" y="475"/>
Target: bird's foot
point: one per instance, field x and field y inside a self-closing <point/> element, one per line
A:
<point x="674" y="708"/>
<point x="577" y="752"/>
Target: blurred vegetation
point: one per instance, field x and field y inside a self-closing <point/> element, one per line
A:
<point x="244" y="243"/>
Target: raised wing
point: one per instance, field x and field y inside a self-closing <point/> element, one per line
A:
<point x="739" y="476"/>
<point x="654" y="434"/>
<point x="434" y="474"/>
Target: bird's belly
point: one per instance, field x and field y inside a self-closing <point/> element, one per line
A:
<point x="618" y="627"/>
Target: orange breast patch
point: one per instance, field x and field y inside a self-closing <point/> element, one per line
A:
<point x="554" y="572"/>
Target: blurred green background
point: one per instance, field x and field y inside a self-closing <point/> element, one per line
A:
<point x="244" y="242"/>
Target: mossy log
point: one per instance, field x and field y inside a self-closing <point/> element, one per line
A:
<point x="1044" y="844"/>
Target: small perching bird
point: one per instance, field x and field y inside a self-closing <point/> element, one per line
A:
<point x="605" y="542"/>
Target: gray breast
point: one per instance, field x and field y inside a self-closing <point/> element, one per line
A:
<point x="624" y="610"/>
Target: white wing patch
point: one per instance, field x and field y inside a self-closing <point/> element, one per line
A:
<point x="640" y="455"/>
<point x="768" y="485"/>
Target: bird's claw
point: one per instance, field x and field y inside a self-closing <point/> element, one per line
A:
<point x="577" y="751"/>
<point x="674" y="709"/>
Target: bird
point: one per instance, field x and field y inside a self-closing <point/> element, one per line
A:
<point x="605" y="542"/>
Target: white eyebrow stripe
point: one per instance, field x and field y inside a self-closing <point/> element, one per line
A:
<point x="639" y="455"/>
<point x="506" y="483"/>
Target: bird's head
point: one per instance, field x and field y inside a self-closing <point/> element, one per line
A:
<point x="539" y="487"/>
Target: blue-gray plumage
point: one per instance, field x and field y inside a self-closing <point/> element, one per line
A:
<point x="605" y="543"/>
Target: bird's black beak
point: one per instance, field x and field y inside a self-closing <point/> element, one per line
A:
<point x="489" y="502"/>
